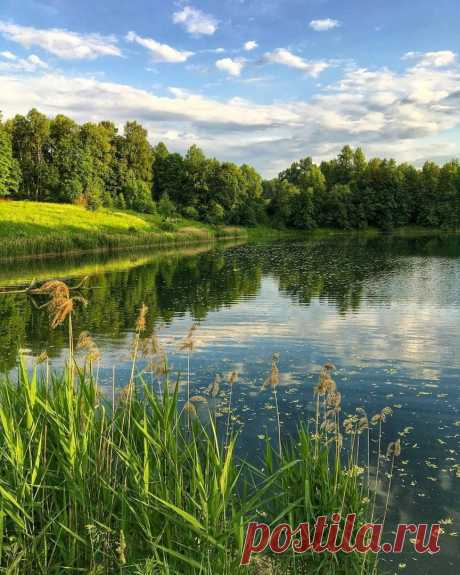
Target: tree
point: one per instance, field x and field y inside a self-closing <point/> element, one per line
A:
<point x="336" y="207"/>
<point x="169" y="176"/>
<point x="9" y="168"/>
<point x="429" y="177"/>
<point x="69" y="170"/>
<point x="58" y="160"/>
<point x="196" y="178"/>
<point x="281" y="197"/>
<point x="448" y="195"/>
<point x="303" y="210"/>
<point x="29" y="136"/>
<point x="249" y="206"/>
<point x="98" y="152"/>
<point x="133" y="170"/>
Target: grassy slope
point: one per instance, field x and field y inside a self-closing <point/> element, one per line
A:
<point x="28" y="228"/>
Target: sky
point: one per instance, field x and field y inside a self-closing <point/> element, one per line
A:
<point x="264" y="82"/>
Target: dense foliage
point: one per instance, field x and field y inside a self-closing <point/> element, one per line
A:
<point x="94" y="165"/>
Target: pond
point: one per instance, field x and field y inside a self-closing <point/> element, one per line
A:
<point x="385" y="311"/>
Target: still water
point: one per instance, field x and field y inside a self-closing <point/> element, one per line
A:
<point x="385" y="311"/>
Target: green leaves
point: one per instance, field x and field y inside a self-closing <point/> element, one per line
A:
<point x="77" y="474"/>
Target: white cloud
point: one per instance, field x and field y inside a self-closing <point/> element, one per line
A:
<point x="36" y="61"/>
<point x="160" y="52"/>
<point x="250" y="45"/>
<point x="30" y="64"/>
<point x="324" y="24"/>
<point x="432" y="59"/>
<point x="62" y="43"/>
<point x="85" y="98"/>
<point x="408" y="114"/>
<point x="8" y="55"/>
<point x="286" y="58"/>
<point x="232" y="67"/>
<point x="195" y="21"/>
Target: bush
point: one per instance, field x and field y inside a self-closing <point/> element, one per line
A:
<point x="167" y="226"/>
<point x="191" y="213"/>
<point x="166" y="207"/>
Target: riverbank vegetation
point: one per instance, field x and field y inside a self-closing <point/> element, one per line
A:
<point x="37" y="228"/>
<point x="93" y="165"/>
<point x="145" y="480"/>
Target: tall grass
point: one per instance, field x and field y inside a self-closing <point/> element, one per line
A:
<point x="130" y="483"/>
<point x="35" y="228"/>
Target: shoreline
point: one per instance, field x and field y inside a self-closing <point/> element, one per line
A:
<point x="34" y="230"/>
<point x="175" y="241"/>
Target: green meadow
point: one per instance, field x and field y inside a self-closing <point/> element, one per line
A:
<point x="31" y="228"/>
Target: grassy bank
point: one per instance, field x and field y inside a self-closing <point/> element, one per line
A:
<point x="30" y="229"/>
<point x="35" y="228"/>
<point x="144" y="480"/>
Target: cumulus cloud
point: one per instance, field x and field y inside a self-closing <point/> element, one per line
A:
<point x="324" y="24"/>
<point x="195" y="21"/>
<point x="432" y="59"/>
<point x="160" y="52"/>
<point x="287" y="58"/>
<point x="232" y="67"/>
<point x="62" y="43"/>
<point x="250" y="45"/>
<point x="407" y="114"/>
<point x="85" y="98"/>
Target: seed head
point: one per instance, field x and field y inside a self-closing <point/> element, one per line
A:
<point x="214" y="387"/>
<point x="233" y="378"/>
<point x="190" y="408"/>
<point x="141" y="319"/>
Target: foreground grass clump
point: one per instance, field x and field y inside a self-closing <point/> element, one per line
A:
<point x="29" y="228"/>
<point x="135" y="483"/>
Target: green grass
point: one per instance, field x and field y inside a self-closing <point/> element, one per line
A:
<point x="31" y="228"/>
<point x="133" y="482"/>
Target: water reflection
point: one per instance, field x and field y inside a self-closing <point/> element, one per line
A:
<point x="385" y="311"/>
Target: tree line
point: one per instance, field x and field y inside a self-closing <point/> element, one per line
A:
<point x="94" y="165"/>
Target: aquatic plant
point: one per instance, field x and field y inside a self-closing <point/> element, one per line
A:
<point x="99" y="484"/>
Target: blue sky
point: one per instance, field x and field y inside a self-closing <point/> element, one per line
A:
<point x="261" y="81"/>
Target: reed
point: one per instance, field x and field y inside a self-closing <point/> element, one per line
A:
<point x="119" y="483"/>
